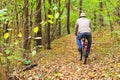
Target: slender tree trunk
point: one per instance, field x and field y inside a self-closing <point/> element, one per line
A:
<point x="2" y="72"/>
<point x="31" y="24"/>
<point x="68" y="17"/>
<point x="38" y="20"/>
<point x="59" y="22"/>
<point x="26" y="44"/>
<point x="45" y="26"/>
<point x="80" y="2"/>
<point x="101" y="16"/>
<point x="48" y="30"/>
<point x="1" y="30"/>
<point x="95" y="18"/>
<point x="16" y="15"/>
<point x="31" y="15"/>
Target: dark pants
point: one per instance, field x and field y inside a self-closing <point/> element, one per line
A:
<point x="86" y="35"/>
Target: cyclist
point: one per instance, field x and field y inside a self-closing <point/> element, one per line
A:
<point x="83" y="30"/>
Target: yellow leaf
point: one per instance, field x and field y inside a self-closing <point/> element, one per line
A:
<point x="20" y="34"/>
<point x="50" y="21"/>
<point x="6" y="35"/>
<point x="36" y="29"/>
<point x="50" y="16"/>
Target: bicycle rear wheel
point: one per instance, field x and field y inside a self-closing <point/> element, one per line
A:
<point x="84" y="54"/>
<point x="84" y="51"/>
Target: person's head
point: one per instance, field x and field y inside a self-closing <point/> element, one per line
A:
<point x="82" y="15"/>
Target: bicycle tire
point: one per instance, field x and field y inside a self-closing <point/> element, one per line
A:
<point x="84" y="48"/>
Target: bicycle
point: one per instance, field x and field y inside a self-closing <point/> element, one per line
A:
<point x="84" y="49"/>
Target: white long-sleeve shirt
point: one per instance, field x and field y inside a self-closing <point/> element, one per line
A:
<point x="82" y="25"/>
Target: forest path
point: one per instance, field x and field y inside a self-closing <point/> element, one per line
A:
<point x="62" y="61"/>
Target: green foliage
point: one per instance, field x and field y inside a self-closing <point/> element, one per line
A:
<point x="3" y="14"/>
<point x="7" y="51"/>
<point x="26" y="61"/>
<point x="47" y="5"/>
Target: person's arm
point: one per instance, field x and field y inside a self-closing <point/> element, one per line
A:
<point x="76" y="28"/>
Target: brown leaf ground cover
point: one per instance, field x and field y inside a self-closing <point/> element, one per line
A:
<point x="62" y="61"/>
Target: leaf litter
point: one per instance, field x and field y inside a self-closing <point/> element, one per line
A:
<point x="62" y="61"/>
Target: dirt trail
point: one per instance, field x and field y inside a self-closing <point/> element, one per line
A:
<point x="62" y="63"/>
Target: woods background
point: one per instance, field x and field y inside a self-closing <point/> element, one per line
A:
<point x="28" y="26"/>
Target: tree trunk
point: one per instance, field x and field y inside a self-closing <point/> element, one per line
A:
<point x="26" y="44"/>
<point x="101" y="16"/>
<point x="2" y="72"/>
<point x="38" y="21"/>
<point x="59" y="22"/>
<point x="95" y="18"/>
<point x="16" y="15"/>
<point x="45" y="27"/>
<point x="68" y="17"/>
<point x="48" y="30"/>
<point x="80" y="7"/>
<point x="1" y="30"/>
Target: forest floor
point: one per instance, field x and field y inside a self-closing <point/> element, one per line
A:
<point x="62" y="61"/>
